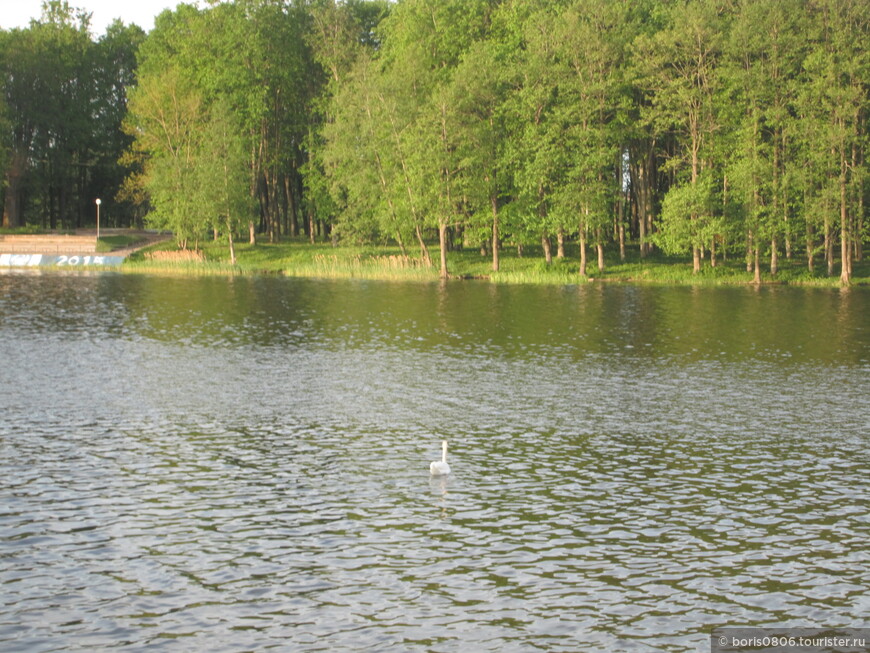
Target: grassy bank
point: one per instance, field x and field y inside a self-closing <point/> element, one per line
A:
<point x="111" y="243"/>
<point x="302" y="259"/>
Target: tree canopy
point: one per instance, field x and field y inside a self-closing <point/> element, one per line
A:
<point x="701" y="127"/>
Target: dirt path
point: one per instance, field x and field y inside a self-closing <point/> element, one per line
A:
<point x="148" y="238"/>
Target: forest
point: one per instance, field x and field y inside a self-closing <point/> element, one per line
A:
<point x="707" y="129"/>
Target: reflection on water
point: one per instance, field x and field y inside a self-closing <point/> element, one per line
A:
<point x="237" y="464"/>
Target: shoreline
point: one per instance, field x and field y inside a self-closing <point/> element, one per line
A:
<point x="296" y="258"/>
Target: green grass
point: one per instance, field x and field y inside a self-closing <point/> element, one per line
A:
<point x="111" y="243"/>
<point x="303" y="259"/>
<point x="28" y="230"/>
<point x="298" y="258"/>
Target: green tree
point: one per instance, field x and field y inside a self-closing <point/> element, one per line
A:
<point x="679" y="68"/>
<point x="48" y="93"/>
<point x="424" y="42"/>
<point x="833" y="107"/>
<point x="252" y="54"/>
<point x="65" y="97"/>
<point x="360" y="160"/>
<point x="166" y="117"/>
<point x="478" y="130"/>
<point x="401" y="119"/>
<point x="537" y="160"/>
<point x="760" y="69"/>
<point x="223" y="173"/>
<point x="342" y="38"/>
<point x="591" y="41"/>
<point x="114" y="66"/>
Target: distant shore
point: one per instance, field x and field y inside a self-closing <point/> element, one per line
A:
<point x="300" y="258"/>
<point x="152" y="252"/>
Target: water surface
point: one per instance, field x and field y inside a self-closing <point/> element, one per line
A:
<point x="242" y="464"/>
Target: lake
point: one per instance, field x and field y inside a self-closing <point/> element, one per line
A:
<point x="233" y="464"/>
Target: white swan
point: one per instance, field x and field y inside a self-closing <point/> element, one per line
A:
<point x="440" y="467"/>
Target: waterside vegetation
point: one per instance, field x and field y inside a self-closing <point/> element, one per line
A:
<point x="571" y="139"/>
<point x="300" y="258"/>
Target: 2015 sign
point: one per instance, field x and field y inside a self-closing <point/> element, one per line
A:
<point x="74" y="260"/>
<point x="80" y="260"/>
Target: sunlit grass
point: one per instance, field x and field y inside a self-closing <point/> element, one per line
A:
<point x="111" y="243"/>
<point x="300" y="258"/>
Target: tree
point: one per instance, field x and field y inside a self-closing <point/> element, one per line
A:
<point x="590" y="51"/>
<point x="114" y="65"/>
<point x="166" y="116"/>
<point x="49" y="93"/>
<point x="66" y="98"/>
<point x="342" y="38"/>
<point x="678" y="65"/>
<point x="537" y="159"/>
<point x="252" y="54"/>
<point x="477" y="93"/>
<point x="359" y="158"/>
<point x="424" y="42"/>
<point x="222" y="173"/>
<point x="833" y="104"/>
<point x="759" y="70"/>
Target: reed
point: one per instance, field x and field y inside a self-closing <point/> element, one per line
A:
<point x="359" y="266"/>
<point x="182" y="268"/>
<point x="302" y="259"/>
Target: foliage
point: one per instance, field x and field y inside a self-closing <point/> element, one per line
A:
<point x="733" y="131"/>
<point x="64" y="97"/>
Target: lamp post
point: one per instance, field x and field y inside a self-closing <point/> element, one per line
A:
<point x="99" y="201"/>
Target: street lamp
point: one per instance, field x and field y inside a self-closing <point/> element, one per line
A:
<point x="99" y="201"/>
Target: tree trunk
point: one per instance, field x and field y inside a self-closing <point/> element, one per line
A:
<point x="859" y="207"/>
<point x="810" y="247"/>
<point x="774" y="257"/>
<point x="757" y="265"/>
<point x="493" y="200"/>
<point x="442" y="242"/>
<point x="829" y="248"/>
<point x="749" y="252"/>
<point x="560" y="243"/>
<point x="696" y="146"/>
<point x="846" y="263"/>
<point x="642" y="171"/>
<point x="252" y="233"/>
<point x="641" y="228"/>
<point x="12" y="205"/>
<point x="620" y="207"/>
<point x="621" y="241"/>
<point x="232" y="245"/>
<point x="545" y="243"/>
<point x="424" y="251"/>
<point x="600" y="247"/>
<point x="845" y="252"/>
<point x="274" y="214"/>
<point x="583" y="259"/>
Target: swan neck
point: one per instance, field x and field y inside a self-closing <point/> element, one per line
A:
<point x="444" y="451"/>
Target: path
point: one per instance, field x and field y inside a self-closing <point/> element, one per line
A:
<point x="84" y="241"/>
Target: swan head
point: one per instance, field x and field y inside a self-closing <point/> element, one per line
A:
<point x="440" y="467"/>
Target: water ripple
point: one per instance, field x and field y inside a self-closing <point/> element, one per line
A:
<point x="159" y="494"/>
